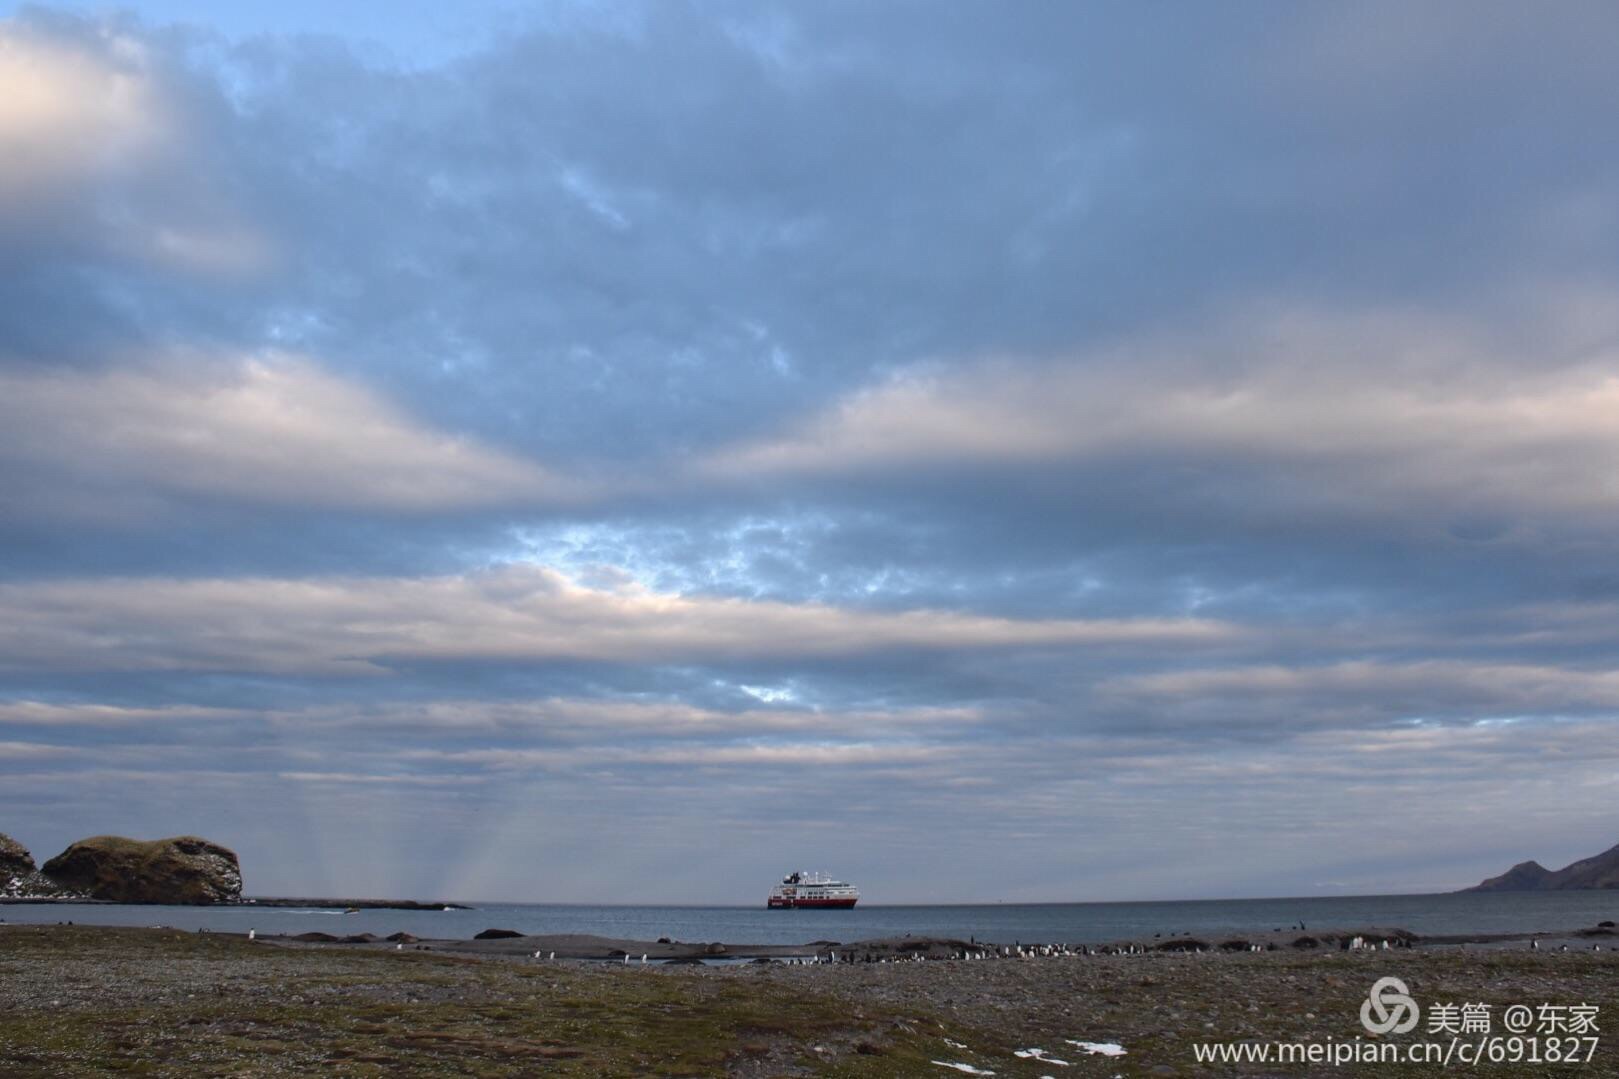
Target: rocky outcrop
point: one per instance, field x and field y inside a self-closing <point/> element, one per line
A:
<point x="1599" y="871"/>
<point x="15" y="861"/>
<point x="184" y="869"/>
<point x="19" y="878"/>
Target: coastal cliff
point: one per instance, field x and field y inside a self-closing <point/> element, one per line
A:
<point x="182" y="869"/>
<point x="1597" y="872"/>
<point x="15" y="861"/>
<point x="19" y="877"/>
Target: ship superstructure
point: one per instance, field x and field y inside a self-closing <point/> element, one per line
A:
<point x="812" y="890"/>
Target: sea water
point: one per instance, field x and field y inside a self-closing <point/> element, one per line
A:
<point x="1077" y="923"/>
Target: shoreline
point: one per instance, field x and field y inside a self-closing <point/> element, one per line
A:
<point x="594" y="946"/>
<point x="507" y="944"/>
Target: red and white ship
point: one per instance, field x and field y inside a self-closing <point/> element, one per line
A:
<point x="812" y="890"/>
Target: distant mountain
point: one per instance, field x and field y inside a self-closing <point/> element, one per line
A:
<point x="1600" y="871"/>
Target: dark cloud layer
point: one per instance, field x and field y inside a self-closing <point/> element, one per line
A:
<point x="1085" y="438"/>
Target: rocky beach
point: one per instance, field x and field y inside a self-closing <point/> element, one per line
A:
<point x="77" y="1000"/>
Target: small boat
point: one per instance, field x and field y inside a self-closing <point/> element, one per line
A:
<point x="812" y="891"/>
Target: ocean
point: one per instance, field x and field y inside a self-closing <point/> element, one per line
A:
<point x="1076" y="923"/>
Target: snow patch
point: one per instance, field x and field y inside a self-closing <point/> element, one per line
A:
<point x="1040" y="1055"/>
<point x="1106" y="1049"/>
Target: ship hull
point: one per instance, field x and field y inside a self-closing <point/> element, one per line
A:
<point x="812" y="904"/>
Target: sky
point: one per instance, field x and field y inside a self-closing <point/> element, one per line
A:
<point x="989" y="452"/>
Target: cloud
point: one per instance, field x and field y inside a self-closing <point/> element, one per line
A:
<point x="1361" y="694"/>
<point x="585" y="719"/>
<point x="85" y="714"/>
<point x="109" y="157"/>
<point x="350" y="779"/>
<point x="67" y="113"/>
<point x="268" y="430"/>
<point x="515" y="614"/>
<point x="778" y="754"/>
<point x="1378" y="413"/>
<point x="30" y="751"/>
